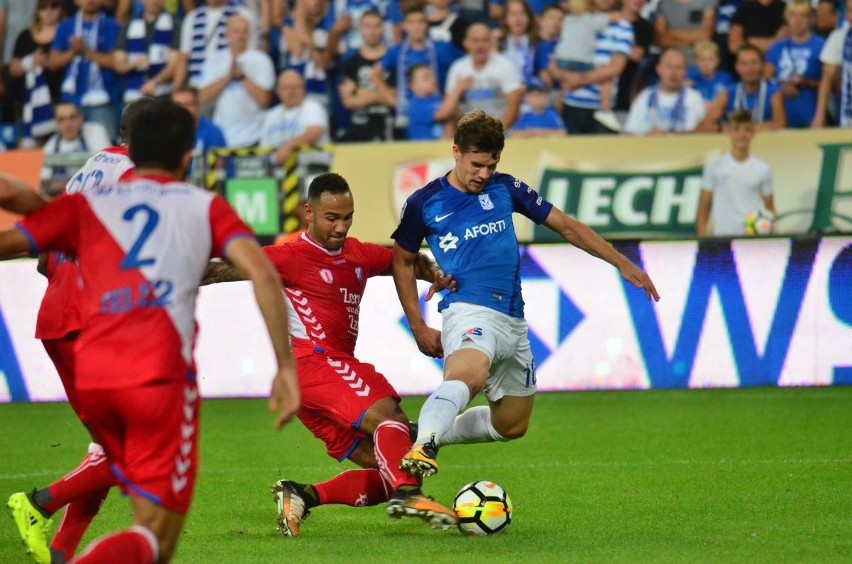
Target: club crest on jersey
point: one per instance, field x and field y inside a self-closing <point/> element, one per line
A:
<point x="485" y="202"/>
<point x="359" y="273"/>
<point x="326" y="275"/>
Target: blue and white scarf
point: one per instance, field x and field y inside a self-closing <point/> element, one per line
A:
<point x="758" y="110"/>
<point x="522" y="54"/>
<point x="157" y="53"/>
<point x="200" y="40"/>
<point x="402" y="67"/>
<point x="38" y="110"/>
<point x="677" y="117"/>
<point x="94" y="92"/>
<point x="846" y="82"/>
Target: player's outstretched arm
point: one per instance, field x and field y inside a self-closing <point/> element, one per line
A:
<point x="220" y="271"/>
<point x="403" y="267"/>
<point x="251" y="263"/>
<point x="17" y="197"/>
<point x="427" y="269"/>
<point x="581" y="235"/>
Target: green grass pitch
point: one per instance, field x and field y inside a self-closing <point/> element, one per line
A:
<point x="753" y="475"/>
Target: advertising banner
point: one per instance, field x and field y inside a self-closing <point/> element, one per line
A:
<point x="748" y="312"/>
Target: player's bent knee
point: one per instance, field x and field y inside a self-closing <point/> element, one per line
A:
<point x="513" y="430"/>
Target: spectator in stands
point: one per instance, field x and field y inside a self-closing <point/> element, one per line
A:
<point x="146" y="52"/>
<point x="445" y="22"/>
<point x="706" y="76"/>
<point x="734" y="185"/>
<point x="202" y="37"/>
<point x="309" y="47"/>
<point x="370" y="118"/>
<point x="295" y="122"/>
<point x="794" y="62"/>
<point x="519" y="37"/>
<point x="83" y="47"/>
<point x="207" y="134"/>
<point x="725" y="11"/>
<point x="538" y="118"/>
<point x="548" y="29"/>
<point x="836" y="58"/>
<point x="416" y="48"/>
<point x="759" y="23"/>
<point x="73" y="135"/>
<point x="582" y="93"/>
<point x="430" y="116"/>
<point x="12" y="24"/>
<point x="42" y="86"/>
<point x="346" y="18"/>
<point x="825" y="18"/>
<point x="670" y="106"/>
<point x="639" y="66"/>
<point x="497" y="86"/>
<point x="754" y="93"/>
<point x="239" y="82"/>
<point x="680" y="24"/>
<point x="484" y="11"/>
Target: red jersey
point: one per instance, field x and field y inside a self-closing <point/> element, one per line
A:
<point x="59" y="313"/>
<point x="143" y="247"/>
<point x="324" y="288"/>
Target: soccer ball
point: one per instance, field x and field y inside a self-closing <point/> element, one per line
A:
<point x="759" y="222"/>
<point x="483" y="508"/>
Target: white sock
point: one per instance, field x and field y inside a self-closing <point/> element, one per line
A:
<point x="440" y="409"/>
<point x="472" y="426"/>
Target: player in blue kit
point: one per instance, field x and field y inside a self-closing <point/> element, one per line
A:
<point x="466" y="218"/>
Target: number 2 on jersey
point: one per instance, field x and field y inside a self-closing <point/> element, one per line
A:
<point x="132" y="258"/>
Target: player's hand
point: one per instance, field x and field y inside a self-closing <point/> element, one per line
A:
<point x="429" y="341"/>
<point x="640" y="279"/>
<point x="442" y="282"/>
<point x="285" y="398"/>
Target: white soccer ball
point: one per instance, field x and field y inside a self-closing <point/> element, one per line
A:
<point x="759" y="222"/>
<point x="483" y="508"/>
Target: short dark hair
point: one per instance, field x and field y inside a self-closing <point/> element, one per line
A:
<point x="330" y="182"/>
<point x="749" y="47"/>
<point x="128" y="115"/>
<point x="161" y="135"/>
<point x="478" y="132"/>
<point x="409" y="74"/>
<point x="740" y="117"/>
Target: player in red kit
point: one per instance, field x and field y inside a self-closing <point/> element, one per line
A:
<point x="346" y="403"/>
<point x="137" y="245"/>
<point x="57" y="326"/>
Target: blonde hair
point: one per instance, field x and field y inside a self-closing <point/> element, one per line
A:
<point x="706" y="47"/>
<point x="798" y="6"/>
<point x="577" y="7"/>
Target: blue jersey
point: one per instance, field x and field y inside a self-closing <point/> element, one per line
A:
<point x="790" y="60"/>
<point x="473" y="238"/>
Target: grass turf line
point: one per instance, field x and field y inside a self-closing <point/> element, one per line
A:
<point x="753" y="475"/>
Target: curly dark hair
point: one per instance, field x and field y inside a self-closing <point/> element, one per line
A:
<point x="478" y="132"/>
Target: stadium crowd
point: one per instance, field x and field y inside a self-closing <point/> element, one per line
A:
<point x="281" y="73"/>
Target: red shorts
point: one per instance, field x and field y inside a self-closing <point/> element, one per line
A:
<point x="61" y="352"/>
<point x="150" y="435"/>
<point x="336" y="393"/>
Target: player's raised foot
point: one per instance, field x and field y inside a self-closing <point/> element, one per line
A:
<point x="412" y="503"/>
<point x="32" y="526"/>
<point x="420" y="460"/>
<point x="292" y="510"/>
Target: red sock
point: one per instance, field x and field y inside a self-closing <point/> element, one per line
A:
<point x="78" y="515"/>
<point x="357" y="488"/>
<point x="92" y="475"/>
<point x="391" y="442"/>
<point x="135" y="545"/>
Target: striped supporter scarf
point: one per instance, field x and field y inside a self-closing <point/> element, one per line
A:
<point x="157" y="53"/>
<point x="37" y="111"/>
<point x="846" y="82"/>
<point x="200" y="40"/>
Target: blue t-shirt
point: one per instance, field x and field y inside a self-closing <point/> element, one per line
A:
<point x="548" y="119"/>
<point x="472" y="237"/>
<point x="421" y="118"/>
<point x="751" y="99"/>
<point x="208" y="135"/>
<point x="709" y="87"/>
<point x="107" y="30"/>
<point x="445" y="53"/>
<point x="798" y="59"/>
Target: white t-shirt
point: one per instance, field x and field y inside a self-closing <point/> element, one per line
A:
<point x="644" y="116"/>
<point x="213" y="44"/>
<point x="238" y="114"/>
<point x="738" y="189"/>
<point x="282" y="124"/>
<point x="491" y="84"/>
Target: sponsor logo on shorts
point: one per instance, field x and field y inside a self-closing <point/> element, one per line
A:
<point x="474" y="332"/>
